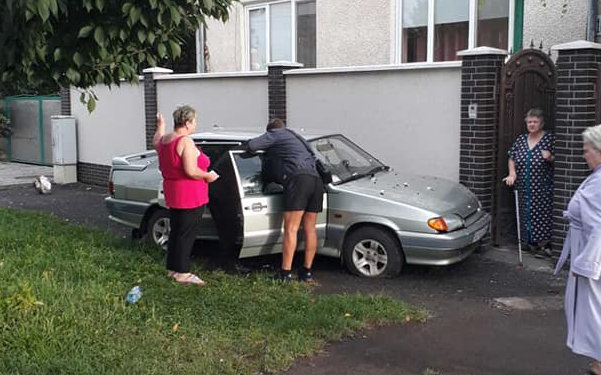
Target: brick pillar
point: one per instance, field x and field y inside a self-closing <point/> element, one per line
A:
<point x="150" y="101"/>
<point x="577" y="70"/>
<point x="276" y="88"/>
<point x="65" y="95"/>
<point x="480" y="73"/>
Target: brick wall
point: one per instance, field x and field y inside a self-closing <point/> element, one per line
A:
<point x="65" y="95"/>
<point x="93" y="174"/>
<point x="577" y="71"/>
<point x="479" y="77"/>
<point x="276" y="88"/>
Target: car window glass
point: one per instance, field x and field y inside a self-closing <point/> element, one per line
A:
<point x="249" y="170"/>
<point x="345" y="158"/>
<point x="214" y="150"/>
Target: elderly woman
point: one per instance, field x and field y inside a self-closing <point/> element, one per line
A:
<point x="185" y="177"/>
<point x="531" y="171"/>
<point x="583" y="245"/>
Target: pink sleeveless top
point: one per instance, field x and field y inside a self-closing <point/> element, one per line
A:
<point x="180" y="190"/>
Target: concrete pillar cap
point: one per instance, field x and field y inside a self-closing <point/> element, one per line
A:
<point x="156" y="70"/>
<point x="478" y="51"/>
<point x="285" y="64"/>
<point x="579" y="44"/>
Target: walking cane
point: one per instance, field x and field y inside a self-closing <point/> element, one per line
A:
<point x="517" y="216"/>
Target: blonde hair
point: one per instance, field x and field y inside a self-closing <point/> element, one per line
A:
<point x="592" y="135"/>
<point x="183" y="114"/>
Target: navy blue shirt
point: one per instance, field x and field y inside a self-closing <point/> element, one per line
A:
<point x="285" y="152"/>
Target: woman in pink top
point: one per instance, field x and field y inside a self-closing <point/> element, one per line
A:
<point x="185" y="184"/>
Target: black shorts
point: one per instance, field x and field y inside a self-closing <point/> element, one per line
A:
<point x="303" y="192"/>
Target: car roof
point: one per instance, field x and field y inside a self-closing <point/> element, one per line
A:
<point x="222" y="134"/>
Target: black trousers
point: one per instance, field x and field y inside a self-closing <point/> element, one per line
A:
<point x="185" y="226"/>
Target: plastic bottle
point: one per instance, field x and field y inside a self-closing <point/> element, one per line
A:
<point x="134" y="294"/>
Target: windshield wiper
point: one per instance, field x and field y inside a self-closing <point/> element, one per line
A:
<point x="376" y="169"/>
<point x="371" y="172"/>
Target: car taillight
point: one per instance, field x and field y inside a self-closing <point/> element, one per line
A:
<point x="111" y="188"/>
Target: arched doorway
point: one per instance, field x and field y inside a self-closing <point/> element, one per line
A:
<point x="528" y="80"/>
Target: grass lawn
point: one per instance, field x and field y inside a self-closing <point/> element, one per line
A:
<point x="63" y="309"/>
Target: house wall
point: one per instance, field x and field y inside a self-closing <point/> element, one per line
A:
<point x="233" y="101"/>
<point x="359" y="32"/>
<point x="408" y="118"/>
<point x="549" y="25"/>
<point x="115" y="127"/>
<point x="226" y="42"/>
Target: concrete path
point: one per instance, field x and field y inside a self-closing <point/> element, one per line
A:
<point x="21" y="174"/>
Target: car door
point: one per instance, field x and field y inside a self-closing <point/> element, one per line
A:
<point x="262" y="208"/>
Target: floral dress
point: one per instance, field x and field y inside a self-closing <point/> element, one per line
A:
<point x="535" y="187"/>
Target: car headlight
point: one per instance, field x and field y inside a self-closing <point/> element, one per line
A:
<point x="447" y="223"/>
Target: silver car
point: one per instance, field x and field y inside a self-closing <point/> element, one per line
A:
<point x="375" y="219"/>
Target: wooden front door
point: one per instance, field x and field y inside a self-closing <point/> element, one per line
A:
<point x="528" y="81"/>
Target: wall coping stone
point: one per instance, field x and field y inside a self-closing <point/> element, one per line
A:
<point x="262" y="73"/>
<point x="375" y="68"/>
<point x="579" y="44"/>
<point x="284" y="64"/>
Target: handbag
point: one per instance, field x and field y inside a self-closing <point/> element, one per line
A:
<point x="324" y="171"/>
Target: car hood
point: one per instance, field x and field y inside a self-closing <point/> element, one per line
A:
<point x="433" y="194"/>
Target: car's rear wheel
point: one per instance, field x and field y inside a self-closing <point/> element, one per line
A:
<point x="159" y="228"/>
<point x="373" y="252"/>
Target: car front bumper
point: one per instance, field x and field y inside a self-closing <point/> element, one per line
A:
<point x="444" y="248"/>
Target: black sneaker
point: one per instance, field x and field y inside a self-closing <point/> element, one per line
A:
<point x="282" y="276"/>
<point x="306" y="276"/>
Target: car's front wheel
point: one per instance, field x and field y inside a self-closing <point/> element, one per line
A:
<point x="158" y="228"/>
<point x="373" y="252"/>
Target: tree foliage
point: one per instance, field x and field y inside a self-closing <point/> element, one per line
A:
<point x="82" y="43"/>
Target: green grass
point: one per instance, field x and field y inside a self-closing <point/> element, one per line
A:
<point x="62" y="309"/>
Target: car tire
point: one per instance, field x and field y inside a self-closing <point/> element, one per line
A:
<point x="373" y="252"/>
<point x="158" y="228"/>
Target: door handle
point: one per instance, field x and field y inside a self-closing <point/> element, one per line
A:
<point x="256" y="207"/>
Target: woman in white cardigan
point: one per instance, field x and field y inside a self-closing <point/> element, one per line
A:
<point x="583" y="245"/>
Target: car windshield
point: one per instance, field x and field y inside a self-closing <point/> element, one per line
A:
<point x="346" y="160"/>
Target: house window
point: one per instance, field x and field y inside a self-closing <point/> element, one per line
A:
<point x="435" y="30"/>
<point x="281" y="31"/>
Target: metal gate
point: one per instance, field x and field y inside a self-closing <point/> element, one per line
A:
<point x="528" y="81"/>
<point x="30" y="141"/>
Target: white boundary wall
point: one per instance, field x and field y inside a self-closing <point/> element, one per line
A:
<point x="229" y="100"/>
<point x="116" y="127"/>
<point x="408" y="117"/>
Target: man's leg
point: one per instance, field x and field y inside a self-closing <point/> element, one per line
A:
<point x="309" y="223"/>
<point x="292" y="220"/>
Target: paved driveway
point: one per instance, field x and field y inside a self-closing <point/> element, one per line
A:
<point x="489" y="318"/>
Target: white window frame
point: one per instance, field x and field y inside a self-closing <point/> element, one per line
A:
<point x="472" y="33"/>
<point x="267" y="6"/>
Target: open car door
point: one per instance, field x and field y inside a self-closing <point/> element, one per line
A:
<point x="263" y="207"/>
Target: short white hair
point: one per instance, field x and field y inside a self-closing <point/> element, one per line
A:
<point x="592" y="135"/>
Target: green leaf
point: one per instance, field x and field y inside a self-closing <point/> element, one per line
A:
<point x="151" y="37"/>
<point x="43" y="10"/>
<point x="153" y="4"/>
<point x="85" y="31"/>
<point x="28" y="15"/>
<point x="100" y="5"/>
<point x="141" y="36"/>
<point x="77" y="59"/>
<point x="162" y="50"/>
<point x="73" y="76"/>
<point x="99" y="36"/>
<point x="53" y="5"/>
<point x="175" y="16"/>
<point x="57" y="54"/>
<point x="91" y="104"/>
<point x="143" y="20"/>
<point x="82" y="98"/>
<point x="208" y="3"/>
<point x="122" y="35"/>
<point x="176" y="50"/>
<point x="126" y="8"/>
<point x="134" y="14"/>
<point x="88" y="5"/>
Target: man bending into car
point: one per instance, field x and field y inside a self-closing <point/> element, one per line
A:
<point x="303" y="192"/>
